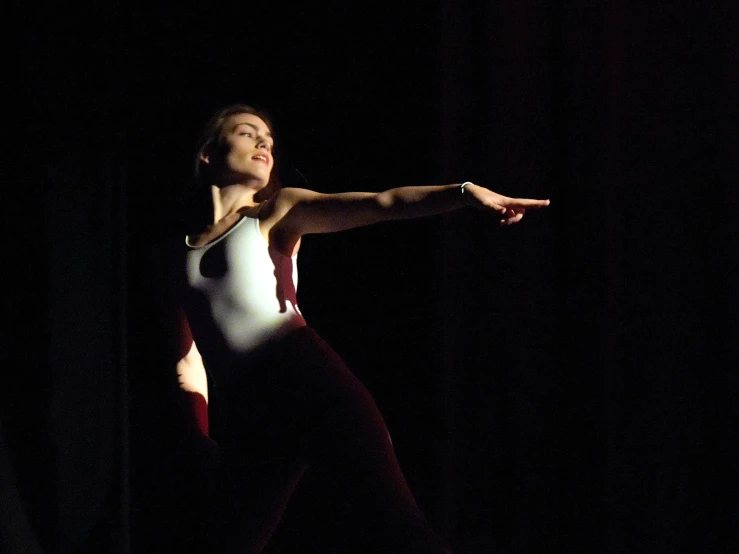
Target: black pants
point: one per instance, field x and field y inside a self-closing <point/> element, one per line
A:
<point x="294" y="412"/>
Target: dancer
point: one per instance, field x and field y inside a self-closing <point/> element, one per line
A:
<point x="288" y="405"/>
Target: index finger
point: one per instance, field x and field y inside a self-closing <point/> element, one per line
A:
<point x="529" y="203"/>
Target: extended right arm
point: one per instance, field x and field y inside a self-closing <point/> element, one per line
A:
<point x="298" y="212"/>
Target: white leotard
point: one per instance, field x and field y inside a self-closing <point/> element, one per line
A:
<point x="250" y="288"/>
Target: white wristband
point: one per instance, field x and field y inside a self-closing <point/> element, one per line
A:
<point x="465" y="194"/>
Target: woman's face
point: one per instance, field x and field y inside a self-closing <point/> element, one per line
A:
<point x="246" y="149"/>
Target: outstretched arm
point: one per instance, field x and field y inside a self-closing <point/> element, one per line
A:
<point x="300" y="212"/>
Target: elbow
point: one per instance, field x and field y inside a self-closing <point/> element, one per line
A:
<point x="384" y="200"/>
<point x="388" y="206"/>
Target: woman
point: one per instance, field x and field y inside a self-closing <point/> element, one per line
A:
<point x="288" y="406"/>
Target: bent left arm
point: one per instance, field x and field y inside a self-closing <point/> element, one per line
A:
<point x="191" y="375"/>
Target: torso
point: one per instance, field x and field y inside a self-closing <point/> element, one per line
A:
<point x="243" y="290"/>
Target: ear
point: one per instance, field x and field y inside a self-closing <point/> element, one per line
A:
<point x="204" y="158"/>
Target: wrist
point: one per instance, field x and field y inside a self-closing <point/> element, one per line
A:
<point x="466" y="193"/>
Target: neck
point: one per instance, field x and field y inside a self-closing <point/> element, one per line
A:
<point x="230" y="199"/>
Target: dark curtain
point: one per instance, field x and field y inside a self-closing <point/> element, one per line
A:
<point x="566" y="384"/>
<point x="593" y="350"/>
<point x="63" y="392"/>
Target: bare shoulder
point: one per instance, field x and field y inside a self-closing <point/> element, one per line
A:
<point x="290" y="196"/>
<point x="282" y="202"/>
<point x="274" y="224"/>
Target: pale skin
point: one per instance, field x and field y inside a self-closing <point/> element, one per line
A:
<point x="242" y="168"/>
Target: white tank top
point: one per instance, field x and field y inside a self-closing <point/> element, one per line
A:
<point x="249" y="287"/>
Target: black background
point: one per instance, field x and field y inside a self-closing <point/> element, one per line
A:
<point x="567" y="384"/>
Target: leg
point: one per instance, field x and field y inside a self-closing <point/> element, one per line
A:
<point x="353" y="465"/>
<point x="298" y="408"/>
<point x="263" y="457"/>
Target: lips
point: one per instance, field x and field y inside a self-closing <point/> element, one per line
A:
<point x="261" y="158"/>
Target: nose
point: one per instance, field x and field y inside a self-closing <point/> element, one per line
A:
<point x="262" y="143"/>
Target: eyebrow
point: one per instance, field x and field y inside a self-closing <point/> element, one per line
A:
<point x="267" y="134"/>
